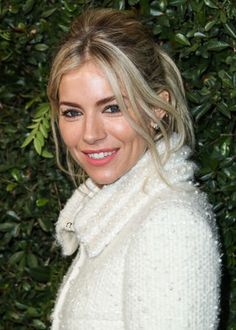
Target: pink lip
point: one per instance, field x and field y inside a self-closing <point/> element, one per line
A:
<point x="102" y="161"/>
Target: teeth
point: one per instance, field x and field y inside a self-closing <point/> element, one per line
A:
<point x="101" y="155"/>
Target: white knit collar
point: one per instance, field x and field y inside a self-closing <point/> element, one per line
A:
<point x="94" y="216"/>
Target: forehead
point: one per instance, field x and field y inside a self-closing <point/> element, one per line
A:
<point x="87" y="80"/>
<point x="87" y="71"/>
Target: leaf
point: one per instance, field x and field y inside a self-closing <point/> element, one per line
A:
<point x="207" y="176"/>
<point x="38" y="324"/>
<point x="211" y="4"/>
<point x="37" y="121"/>
<point x="41" y="274"/>
<point x="42" y="202"/>
<point x="201" y="110"/>
<point x="155" y="12"/>
<point x="210" y="81"/>
<point x="27" y="7"/>
<point x="14" y="316"/>
<point x="229" y="188"/>
<point x="64" y="28"/>
<point x="41" y="47"/>
<point x="16" y="231"/>
<point x="157" y="29"/>
<point x="226" y="78"/>
<point x="32" y="260"/>
<point x="26" y="286"/>
<point x="47" y="154"/>
<point x="225" y="147"/>
<point x="43" y="130"/>
<point x="224" y="109"/>
<point x="35" y="125"/>
<point x="31" y="102"/>
<point x="223" y="17"/>
<point x="69" y="7"/>
<point x="5" y="35"/>
<point x="45" y="225"/>
<point x="15" y="173"/>
<point x="216" y="45"/>
<point x="16" y="257"/>
<point x="13" y="9"/>
<point x="11" y="186"/>
<point x="21" y="27"/>
<point x="39" y="137"/>
<point x="32" y="312"/>
<point x="177" y="2"/>
<point x="42" y="110"/>
<point x="119" y="4"/>
<point x="133" y="2"/>
<point x="199" y="35"/>
<point x="37" y="146"/>
<point x="233" y="107"/>
<point x="230" y="29"/>
<point x="7" y="226"/>
<point x="20" y="306"/>
<point x="13" y="214"/>
<point x="181" y="39"/>
<point x="209" y="25"/>
<point x="162" y="4"/>
<point x="29" y="138"/>
<point x="45" y="123"/>
<point x="193" y="97"/>
<point x="48" y="13"/>
<point x="196" y="6"/>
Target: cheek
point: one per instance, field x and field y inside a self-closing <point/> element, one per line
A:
<point x="70" y="133"/>
<point x="121" y="130"/>
<point x="126" y="134"/>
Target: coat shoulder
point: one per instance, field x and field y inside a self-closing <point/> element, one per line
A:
<point x="176" y="214"/>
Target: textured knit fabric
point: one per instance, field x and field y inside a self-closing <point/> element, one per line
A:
<point x="148" y="253"/>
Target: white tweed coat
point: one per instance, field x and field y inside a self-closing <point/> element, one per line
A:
<point x="148" y="254"/>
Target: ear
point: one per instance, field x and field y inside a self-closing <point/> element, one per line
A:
<point x="165" y="96"/>
<point x="160" y="113"/>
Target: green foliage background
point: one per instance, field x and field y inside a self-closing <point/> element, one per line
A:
<point x="201" y="36"/>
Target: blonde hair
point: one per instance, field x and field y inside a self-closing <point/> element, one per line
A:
<point x="132" y="62"/>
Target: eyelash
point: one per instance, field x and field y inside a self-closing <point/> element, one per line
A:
<point x="72" y="113"/>
<point x="111" y="107"/>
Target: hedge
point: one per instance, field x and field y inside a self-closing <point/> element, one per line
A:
<point x="201" y="37"/>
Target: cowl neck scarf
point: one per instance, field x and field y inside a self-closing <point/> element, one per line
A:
<point x="93" y="216"/>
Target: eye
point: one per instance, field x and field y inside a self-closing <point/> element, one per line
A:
<point x="113" y="108"/>
<point x="71" y="113"/>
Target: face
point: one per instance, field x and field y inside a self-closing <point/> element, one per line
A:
<point x="96" y="132"/>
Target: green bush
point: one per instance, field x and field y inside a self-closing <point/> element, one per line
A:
<point x="201" y="37"/>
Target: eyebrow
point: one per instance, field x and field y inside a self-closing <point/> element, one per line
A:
<point x="98" y="103"/>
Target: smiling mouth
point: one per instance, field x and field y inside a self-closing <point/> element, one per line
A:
<point x="101" y="155"/>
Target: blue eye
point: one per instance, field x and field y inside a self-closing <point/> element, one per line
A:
<point x="71" y="113"/>
<point x="114" y="108"/>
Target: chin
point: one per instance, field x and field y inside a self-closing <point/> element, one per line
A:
<point x="101" y="181"/>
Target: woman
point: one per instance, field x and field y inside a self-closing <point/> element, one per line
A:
<point x="148" y="249"/>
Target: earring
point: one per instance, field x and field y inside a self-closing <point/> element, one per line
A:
<point x="154" y="125"/>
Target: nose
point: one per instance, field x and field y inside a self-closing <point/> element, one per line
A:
<point x="93" y="130"/>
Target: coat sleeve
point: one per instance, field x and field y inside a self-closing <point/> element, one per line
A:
<point x="172" y="272"/>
